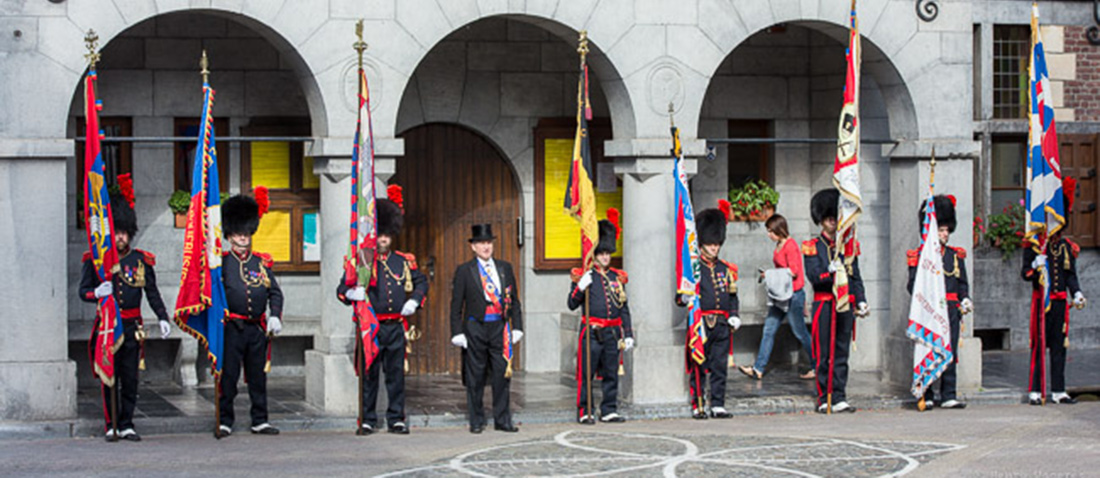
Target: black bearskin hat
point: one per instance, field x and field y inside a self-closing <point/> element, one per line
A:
<point x="240" y="215"/>
<point x="945" y="211"/>
<point x="824" y="204"/>
<point x="123" y="214"/>
<point x="391" y="219"/>
<point x="608" y="236"/>
<point x="711" y="225"/>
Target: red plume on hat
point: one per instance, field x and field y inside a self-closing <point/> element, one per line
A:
<point x="614" y="216"/>
<point x="1069" y="190"/>
<point x="395" y="194"/>
<point x="126" y="187"/>
<point x="724" y="206"/>
<point x="262" y="199"/>
<point x="954" y="202"/>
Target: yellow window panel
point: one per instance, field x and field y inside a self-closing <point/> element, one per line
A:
<point x="309" y="180"/>
<point x="273" y="235"/>
<point x="271" y="164"/>
<point x="562" y="233"/>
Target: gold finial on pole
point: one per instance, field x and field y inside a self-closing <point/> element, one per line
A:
<point x="91" y="41"/>
<point x="932" y="174"/>
<point x="582" y="46"/>
<point x="360" y="45"/>
<point x="205" y="65"/>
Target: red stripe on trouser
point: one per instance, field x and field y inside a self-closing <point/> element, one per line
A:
<point x="1033" y="341"/>
<point x="580" y="367"/>
<point x="816" y="347"/>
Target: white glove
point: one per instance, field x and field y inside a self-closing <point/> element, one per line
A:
<point x="966" y="306"/>
<point x="835" y="265"/>
<point x="459" y="340"/>
<point x="628" y="343"/>
<point x="735" y="322"/>
<point x="685" y="299"/>
<point x="274" y="325"/>
<point x="863" y="310"/>
<point x="105" y="289"/>
<point x="409" y="308"/>
<point x="165" y="329"/>
<point x="357" y="294"/>
<point x="516" y="335"/>
<point x="585" y="281"/>
<point x="1079" y="300"/>
<point x="1040" y="260"/>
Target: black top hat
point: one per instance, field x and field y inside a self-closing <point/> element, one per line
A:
<point x="390" y="218"/>
<point x="481" y="232"/>
<point x="945" y="211"/>
<point x="240" y="215"/>
<point x="124" y="218"/>
<point x="824" y="204"/>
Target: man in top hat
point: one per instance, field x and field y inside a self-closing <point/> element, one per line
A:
<point x="958" y="295"/>
<point x="486" y="320"/>
<point x="1050" y="330"/>
<point x="250" y="292"/>
<point x="602" y="291"/>
<point x="832" y="329"/>
<point x="135" y="275"/>
<point x="398" y="290"/>
<point x="717" y="291"/>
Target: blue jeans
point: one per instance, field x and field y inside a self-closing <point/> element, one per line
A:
<point x="797" y="320"/>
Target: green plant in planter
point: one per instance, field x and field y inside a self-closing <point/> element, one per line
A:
<point x="180" y="201"/>
<point x="753" y="198"/>
<point x="1006" y="229"/>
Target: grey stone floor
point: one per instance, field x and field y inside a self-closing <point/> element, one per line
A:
<point x="536" y="398"/>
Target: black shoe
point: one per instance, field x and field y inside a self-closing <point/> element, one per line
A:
<point x="364" y="430"/>
<point x="399" y="428"/>
<point x="1059" y="398"/>
<point x="948" y="404"/>
<point x="1033" y="398"/>
<point x="699" y="414"/>
<point x="720" y="412"/>
<point x="613" y="418"/>
<point x="111" y="436"/>
<point x="508" y="427"/>
<point x="264" y="429"/>
<point x="843" y="407"/>
<point x="223" y="431"/>
<point x="477" y="429"/>
<point x="129" y="435"/>
<point x="587" y="420"/>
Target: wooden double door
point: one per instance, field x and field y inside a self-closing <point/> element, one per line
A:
<point x="453" y="178"/>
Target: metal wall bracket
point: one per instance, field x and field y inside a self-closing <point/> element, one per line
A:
<point x="927" y="10"/>
<point x="1092" y="34"/>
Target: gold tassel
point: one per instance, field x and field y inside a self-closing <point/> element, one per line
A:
<point x="622" y="371"/>
<point x="508" y="370"/>
<point x="731" y="363"/>
<point x="141" y="364"/>
<point x="267" y="367"/>
<point x="406" y="365"/>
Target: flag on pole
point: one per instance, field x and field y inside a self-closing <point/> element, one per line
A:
<point x="928" y="320"/>
<point x="1046" y="214"/>
<point x="580" y="198"/>
<point x="687" y="255"/>
<point x="846" y="166"/>
<point x="201" y="304"/>
<point x="359" y="261"/>
<point x="99" y="224"/>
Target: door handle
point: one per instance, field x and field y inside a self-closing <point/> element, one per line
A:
<point x="431" y="268"/>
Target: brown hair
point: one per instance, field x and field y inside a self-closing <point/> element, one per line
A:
<point x="777" y="224"/>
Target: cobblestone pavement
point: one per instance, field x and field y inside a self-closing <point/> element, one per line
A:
<point x="981" y="441"/>
<point x="578" y="452"/>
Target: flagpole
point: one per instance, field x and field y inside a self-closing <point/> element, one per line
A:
<point x="921" y="404"/>
<point x="360" y="354"/>
<point x="582" y="49"/>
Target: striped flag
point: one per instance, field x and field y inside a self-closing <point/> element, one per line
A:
<point x="101" y="239"/>
<point x="201" y="304"/>
<point x="359" y="261"/>
<point x="687" y="255"/>
<point x="580" y="198"/>
<point x="1046" y="213"/>
<point x="928" y="320"/>
<point x="846" y="166"/>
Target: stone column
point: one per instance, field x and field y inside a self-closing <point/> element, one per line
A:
<point x="655" y="368"/>
<point x="37" y="379"/>
<point x="909" y="176"/>
<point x="331" y="383"/>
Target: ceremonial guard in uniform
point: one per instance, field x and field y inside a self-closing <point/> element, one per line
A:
<point x="719" y="303"/>
<point x="958" y="295"/>
<point x="833" y="323"/>
<point x="134" y="276"/>
<point x="601" y="290"/>
<point x="398" y="290"/>
<point x="1051" y="330"/>
<point x="250" y="292"/>
<point x="486" y="320"/>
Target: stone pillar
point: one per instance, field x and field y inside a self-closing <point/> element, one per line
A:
<point x="909" y="177"/>
<point x="37" y="379"/>
<point x="655" y="368"/>
<point x="331" y="383"/>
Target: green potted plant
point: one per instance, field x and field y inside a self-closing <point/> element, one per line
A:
<point x="753" y="201"/>
<point x="179" y="202"/>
